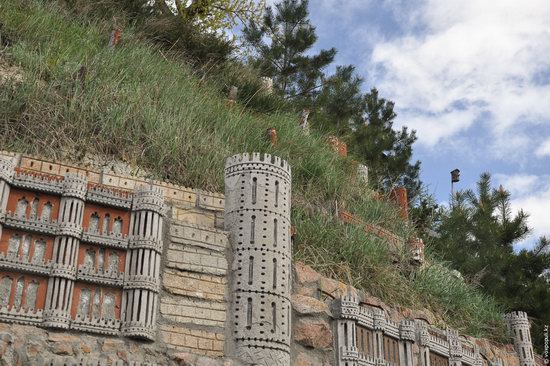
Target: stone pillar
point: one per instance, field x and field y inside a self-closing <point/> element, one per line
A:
<point x="455" y="348"/>
<point x="424" y="341"/>
<point x="407" y="334"/>
<point x="257" y="215"/>
<point x="363" y="173"/>
<point x="65" y="252"/>
<point x="518" y="325"/>
<point x="7" y="170"/>
<point x="142" y="272"/>
<point x="379" y="324"/>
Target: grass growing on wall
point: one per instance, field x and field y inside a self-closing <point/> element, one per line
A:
<point x="142" y="106"/>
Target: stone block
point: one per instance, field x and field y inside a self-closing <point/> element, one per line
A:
<point x="110" y="180"/>
<point x="211" y="201"/>
<point x="305" y="274"/>
<point x="49" y="168"/>
<point x="305" y="305"/>
<point x="333" y="288"/>
<point x="194" y="216"/>
<point x="315" y="333"/>
<point x="31" y="164"/>
<point x="194" y="285"/>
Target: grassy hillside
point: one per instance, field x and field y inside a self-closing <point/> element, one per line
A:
<point x="139" y="104"/>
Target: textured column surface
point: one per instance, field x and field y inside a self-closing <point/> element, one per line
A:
<point x="518" y="325"/>
<point x="142" y="273"/>
<point x="65" y="249"/>
<point x="6" y="174"/>
<point x="455" y="348"/>
<point x="257" y="215"/>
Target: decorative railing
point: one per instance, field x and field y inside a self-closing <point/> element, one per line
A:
<point x="96" y="325"/>
<point x="22" y="264"/>
<point x="142" y="282"/>
<point x="33" y="224"/>
<point x="37" y="181"/>
<point x="109" y="196"/>
<point x="349" y="314"/>
<point x="21" y="315"/>
<point x="111" y="240"/>
<point x="100" y="276"/>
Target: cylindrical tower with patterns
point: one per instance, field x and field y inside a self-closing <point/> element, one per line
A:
<point x="142" y="273"/>
<point x="65" y="251"/>
<point x="518" y="325"/>
<point x="257" y="215"/>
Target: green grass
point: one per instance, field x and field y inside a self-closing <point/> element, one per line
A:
<point x="143" y="106"/>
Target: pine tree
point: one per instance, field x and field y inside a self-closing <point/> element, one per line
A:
<point x="340" y="102"/>
<point x="283" y="57"/>
<point x="478" y="233"/>
<point x="385" y="151"/>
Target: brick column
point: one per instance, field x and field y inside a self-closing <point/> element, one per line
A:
<point x="257" y="215"/>
<point x="65" y="251"/>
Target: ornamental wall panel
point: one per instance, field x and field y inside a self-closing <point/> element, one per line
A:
<point x="365" y="336"/>
<point x="76" y="254"/>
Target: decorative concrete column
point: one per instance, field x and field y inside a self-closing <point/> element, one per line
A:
<point x="7" y="170"/>
<point x="424" y="341"/>
<point x="142" y="272"/>
<point x="407" y="334"/>
<point x="346" y="311"/>
<point x="518" y="325"/>
<point x="65" y="251"/>
<point x="379" y="324"/>
<point x="455" y="348"/>
<point x="257" y="215"/>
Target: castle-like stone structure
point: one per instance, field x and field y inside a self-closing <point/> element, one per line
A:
<point x="99" y="268"/>
<point x="518" y="326"/>
<point x="257" y="209"/>
<point x="77" y="255"/>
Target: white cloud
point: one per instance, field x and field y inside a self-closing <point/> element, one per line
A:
<point x="467" y="62"/>
<point x="518" y="185"/>
<point x="544" y="149"/>
<point x="532" y="194"/>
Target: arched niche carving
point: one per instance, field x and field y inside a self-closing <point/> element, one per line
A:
<point x="34" y="207"/>
<point x="5" y="290"/>
<point x="13" y="245"/>
<point x="117" y="226"/>
<point x="30" y="296"/>
<point x="39" y="251"/>
<point x="106" y="224"/>
<point x="21" y="209"/>
<point x="46" y="214"/>
<point x="93" y="226"/>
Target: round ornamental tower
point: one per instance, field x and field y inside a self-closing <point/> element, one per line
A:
<point x="142" y="272"/>
<point x="65" y="251"/>
<point x="257" y="215"/>
<point x="518" y="325"/>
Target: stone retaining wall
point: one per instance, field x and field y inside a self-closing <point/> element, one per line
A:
<point x="195" y="324"/>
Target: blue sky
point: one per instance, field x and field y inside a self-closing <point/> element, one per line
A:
<point x="471" y="76"/>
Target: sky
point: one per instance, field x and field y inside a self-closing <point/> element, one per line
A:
<point x="472" y="77"/>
